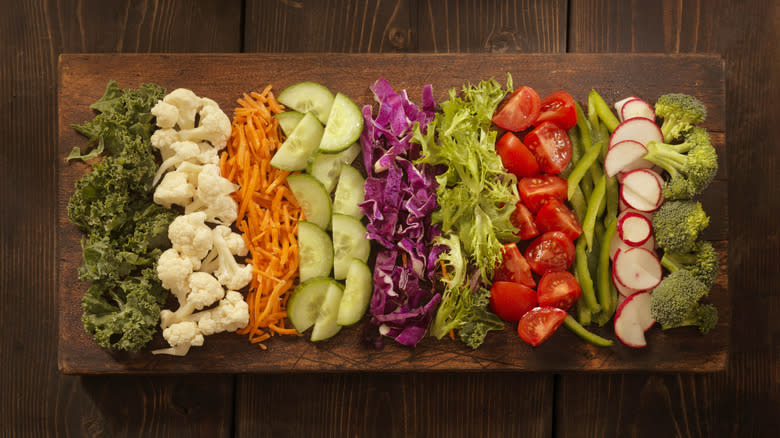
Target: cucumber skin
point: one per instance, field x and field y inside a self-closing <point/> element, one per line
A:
<point x="289" y="97"/>
<point x="314" y="228"/>
<point x="321" y="216"/>
<point x="350" y="120"/>
<point x="298" y="298"/>
<point x="355" y="300"/>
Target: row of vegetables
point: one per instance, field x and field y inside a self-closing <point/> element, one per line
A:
<point x="308" y="212"/>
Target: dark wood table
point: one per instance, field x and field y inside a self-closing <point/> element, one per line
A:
<point x="37" y="400"/>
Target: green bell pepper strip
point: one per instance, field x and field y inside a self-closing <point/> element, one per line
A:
<point x="583" y="333"/>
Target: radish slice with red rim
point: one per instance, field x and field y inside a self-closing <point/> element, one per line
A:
<point x="638" y="268"/>
<point x="638" y="129"/>
<point x="641" y="189"/>
<point x="619" y="105"/>
<point x="617" y="244"/>
<point x="626" y="156"/>
<point x="633" y="319"/>
<point x="633" y="228"/>
<point x="637" y="108"/>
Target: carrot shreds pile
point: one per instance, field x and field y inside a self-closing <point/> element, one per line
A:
<point x="268" y="213"/>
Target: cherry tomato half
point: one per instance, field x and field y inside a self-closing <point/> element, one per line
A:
<point x="551" y="147"/>
<point x="510" y="300"/>
<point x="514" y="267"/>
<point x="535" y="191"/>
<point x="537" y="325"/>
<point x="558" y="289"/>
<point x="523" y="219"/>
<point x="558" y="108"/>
<point x="556" y="216"/>
<point x="516" y="157"/>
<point x="552" y="251"/>
<point x="519" y="110"/>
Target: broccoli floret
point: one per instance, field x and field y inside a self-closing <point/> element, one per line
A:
<point x="691" y="165"/>
<point x="675" y="303"/>
<point x="680" y="112"/>
<point x="677" y="225"/>
<point x="701" y="261"/>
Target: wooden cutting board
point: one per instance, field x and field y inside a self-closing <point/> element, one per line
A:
<point x="82" y="80"/>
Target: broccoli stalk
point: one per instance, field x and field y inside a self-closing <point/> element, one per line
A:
<point x="677" y="225"/>
<point x="679" y="112"/>
<point x="701" y="261"/>
<point x="675" y="303"/>
<point x="691" y="165"/>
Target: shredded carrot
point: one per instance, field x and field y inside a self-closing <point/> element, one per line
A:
<point x="267" y="214"/>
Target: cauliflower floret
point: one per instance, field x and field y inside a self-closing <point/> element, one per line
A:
<point x="208" y="154"/>
<point x="190" y="235"/>
<point x="187" y="103"/>
<point x="221" y="262"/>
<point x="213" y="126"/>
<point x="212" y="196"/>
<point x="231" y="315"/>
<point x="181" y="336"/>
<point x="174" y="270"/>
<point x="175" y="188"/>
<point x="162" y="139"/>
<point x="204" y="290"/>
<point x="183" y="151"/>
<point x="167" y="115"/>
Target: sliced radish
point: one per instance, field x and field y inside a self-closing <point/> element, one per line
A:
<point x="633" y="228"/>
<point x="625" y="157"/>
<point x="618" y="244"/>
<point x="632" y="319"/>
<point x="637" y="108"/>
<point x="622" y="207"/>
<point x="638" y="129"/>
<point x="640" y="189"/>
<point x="619" y="106"/>
<point x="622" y="290"/>
<point x="638" y="268"/>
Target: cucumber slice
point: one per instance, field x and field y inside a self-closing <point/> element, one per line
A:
<point x="303" y="140"/>
<point x="357" y="293"/>
<point x="288" y="120"/>
<point x="325" y="326"/>
<point x="312" y="197"/>
<point x="350" y="191"/>
<point x="345" y="123"/>
<point x="327" y="167"/>
<point x="306" y="301"/>
<point x="316" y="251"/>
<point x="308" y="97"/>
<point x="349" y="241"/>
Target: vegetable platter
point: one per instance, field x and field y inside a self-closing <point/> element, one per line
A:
<point x="226" y="77"/>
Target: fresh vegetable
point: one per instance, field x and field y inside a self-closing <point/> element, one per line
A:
<point x="357" y="293"/>
<point x="637" y="108"/>
<point x="523" y="219"/>
<point x="400" y="197"/>
<point x="558" y="107"/>
<point x="125" y="231"/>
<point x="519" y="110"/>
<point x="625" y="156"/>
<point x="551" y="147"/>
<point x="641" y="190"/>
<point x="638" y="129"/>
<point x="515" y="156"/>
<point x="510" y="300"/>
<point x="556" y="216"/>
<point x="476" y="195"/>
<point x="537" y="190"/>
<point x="634" y="228"/>
<point x="632" y="319"/>
<point x="552" y="251"/>
<point x="637" y="269"/>
<point x="537" y="325"/>
<point x="514" y="267"/>
<point x="680" y="112"/>
<point x="268" y="213"/>
<point x="702" y="261"/>
<point x="602" y="109"/>
<point x="678" y="224"/>
<point x="583" y="333"/>
<point x="691" y="165"/>
<point x="675" y="303"/>
<point x="558" y="289"/>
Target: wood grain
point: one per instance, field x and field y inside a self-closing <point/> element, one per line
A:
<point x="82" y="83"/>
<point x="743" y="400"/>
<point x="37" y="399"/>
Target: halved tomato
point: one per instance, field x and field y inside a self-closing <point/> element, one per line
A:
<point x="523" y="219"/>
<point x="519" y="110"/>
<point x="510" y="300"/>
<point x="538" y="324"/>
<point x="516" y="158"/>
<point x="558" y="289"/>
<point x="551" y="147"/>
<point x="558" y="108"/>
<point x="535" y="191"/>
<point x="514" y="267"/>
<point x="552" y="251"/>
<point x="556" y="216"/>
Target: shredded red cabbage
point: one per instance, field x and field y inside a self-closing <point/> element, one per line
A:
<point x="400" y="197"/>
